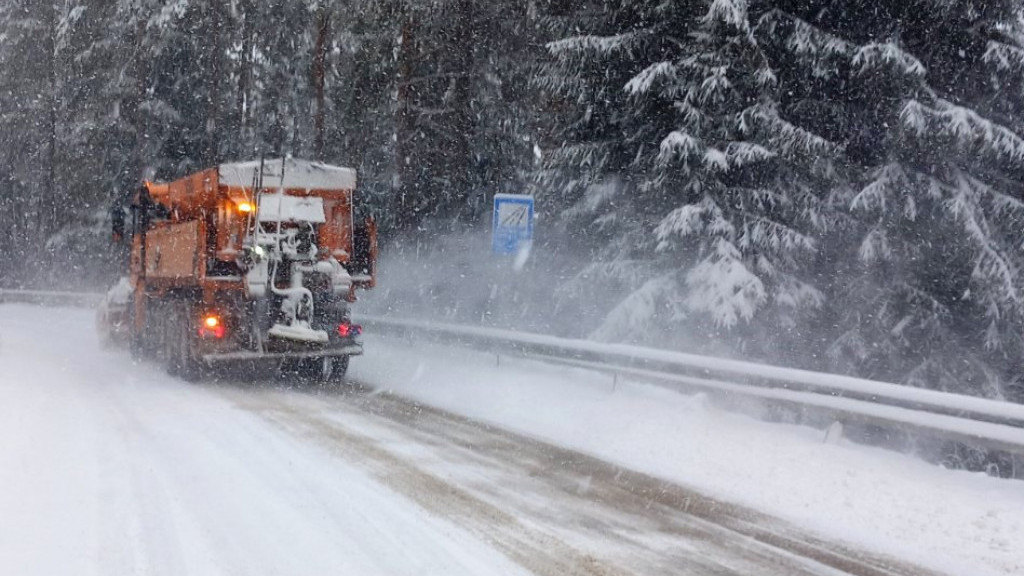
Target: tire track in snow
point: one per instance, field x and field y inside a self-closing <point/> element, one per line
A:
<point x="108" y="466"/>
<point x="536" y="551"/>
<point x="551" y="510"/>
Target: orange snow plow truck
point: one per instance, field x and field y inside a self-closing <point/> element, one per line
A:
<point x="247" y="264"/>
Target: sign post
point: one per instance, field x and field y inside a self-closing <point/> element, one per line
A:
<point x="513" y="223"/>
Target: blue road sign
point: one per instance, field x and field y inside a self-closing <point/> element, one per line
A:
<point x="513" y="223"/>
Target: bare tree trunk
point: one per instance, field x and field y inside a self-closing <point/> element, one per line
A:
<point x="461" y="162"/>
<point x="242" y="100"/>
<point x="405" y="125"/>
<point x="50" y="204"/>
<point x="319" y="65"/>
<point x="242" y="103"/>
<point x="141" y="71"/>
<point x="212" y="155"/>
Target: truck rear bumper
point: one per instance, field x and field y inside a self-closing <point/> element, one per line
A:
<point x="351" y="350"/>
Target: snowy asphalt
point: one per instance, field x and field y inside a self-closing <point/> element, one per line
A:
<point x="110" y="467"/>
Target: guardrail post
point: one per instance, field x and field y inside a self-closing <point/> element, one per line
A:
<point x="834" y="432"/>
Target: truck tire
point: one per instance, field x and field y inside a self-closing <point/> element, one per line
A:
<point x="316" y="370"/>
<point x="135" y="347"/>
<point x="170" y="352"/>
<point x="181" y="360"/>
<point x="339" y="366"/>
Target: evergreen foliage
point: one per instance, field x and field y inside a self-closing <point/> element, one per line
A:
<point x="685" y="162"/>
<point x="829" y="184"/>
<point x="800" y="179"/>
<point x="930" y="287"/>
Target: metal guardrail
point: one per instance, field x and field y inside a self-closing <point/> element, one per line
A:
<point x="976" y="422"/>
<point x="51" y="298"/>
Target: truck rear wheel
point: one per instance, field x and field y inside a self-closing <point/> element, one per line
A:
<point x="318" y="370"/>
<point x="339" y="366"/>
<point x="181" y="360"/>
<point x="301" y="370"/>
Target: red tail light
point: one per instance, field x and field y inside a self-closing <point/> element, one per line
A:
<point x="346" y="330"/>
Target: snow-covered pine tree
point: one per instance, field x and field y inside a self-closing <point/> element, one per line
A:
<point x="506" y="112"/>
<point x="747" y="186"/>
<point x="90" y="158"/>
<point x="585" y="182"/>
<point x="24" y="101"/>
<point x="47" y="121"/>
<point x="203" y="81"/>
<point x="680" y="156"/>
<point x="281" y="91"/>
<point x="361" y="94"/>
<point x="926" y="97"/>
<point x="161" y="85"/>
<point x="461" y="126"/>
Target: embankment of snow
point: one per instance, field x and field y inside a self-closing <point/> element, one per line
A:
<point x="951" y="521"/>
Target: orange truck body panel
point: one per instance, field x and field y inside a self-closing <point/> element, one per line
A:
<point x="173" y="254"/>
<point x="200" y="197"/>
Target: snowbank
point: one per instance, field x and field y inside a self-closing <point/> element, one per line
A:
<point x="952" y="521"/>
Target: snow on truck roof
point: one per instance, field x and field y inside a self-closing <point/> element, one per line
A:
<point x="288" y="173"/>
<point x="281" y="207"/>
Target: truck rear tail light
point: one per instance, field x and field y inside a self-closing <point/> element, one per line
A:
<point x="211" y="327"/>
<point x="347" y="330"/>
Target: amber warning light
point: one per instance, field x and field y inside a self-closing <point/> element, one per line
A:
<point x="211" y="327"/>
<point x="244" y="207"/>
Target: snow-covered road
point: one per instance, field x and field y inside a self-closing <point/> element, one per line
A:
<point x="110" y="467"/>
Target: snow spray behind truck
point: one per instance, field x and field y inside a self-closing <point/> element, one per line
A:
<point x="246" y="263"/>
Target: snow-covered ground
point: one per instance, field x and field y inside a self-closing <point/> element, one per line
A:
<point x="951" y="521"/>
<point x="112" y="468"/>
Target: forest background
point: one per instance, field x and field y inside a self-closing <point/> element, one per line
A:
<point x="831" y="184"/>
